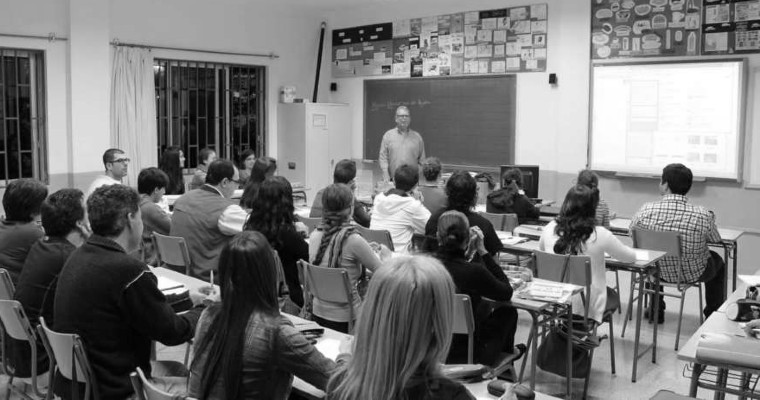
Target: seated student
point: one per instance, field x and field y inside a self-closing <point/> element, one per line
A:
<point x="66" y="229"/>
<point x="113" y="302"/>
<point x="263" y="168"/>
<point x="433" y="196"/>
<point x="402" y="337"/>
<point x="336" y="244"/>
<point x="20" y="227"/>
<point x="172" y="162"/>
<point x="345" y="172"/>
<point x="575" y="232"/>
<point x="151" y="184"/>
<point x="205" y="158"/>
<point x="247" y="159"/>
<point x="244" y="348"/>
<point x="511" y="199"/>
<point x="272" y="216"/>
<point x="589" y="178"/>
<point x="697" y="227"/>
<point x="462" y="192"/>
<point x="398" y="211"/>
<point x="494" y="328"/>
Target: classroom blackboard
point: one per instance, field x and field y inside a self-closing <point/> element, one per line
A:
<point x="463" y="120"/>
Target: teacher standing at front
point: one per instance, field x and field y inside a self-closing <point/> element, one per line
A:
<point x="400" y="145"/>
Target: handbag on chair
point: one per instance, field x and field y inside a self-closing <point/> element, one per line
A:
<point x="552" y="352"/>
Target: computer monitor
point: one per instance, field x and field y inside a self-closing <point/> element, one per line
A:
<point x="529" y="175"/>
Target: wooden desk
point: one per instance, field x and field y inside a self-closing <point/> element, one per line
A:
<point x="729" y="241"/>
<point x="644" y="267"/>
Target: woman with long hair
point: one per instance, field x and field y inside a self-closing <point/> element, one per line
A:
<point x="244" y="347"/>
<point x="263" y="168"/>
<point x="402" y="336"/>
<point x="510" y="199"/>
<point x="575" y="232"/>
<point x="272" y="215"/>
<point x="172" y="162"/>
<point x="336" y="244"/>
<point x="589" y="178"/>
<point x="462" y="192"/>
<point x="494" y="326"/>
<point x="247" y="159"/>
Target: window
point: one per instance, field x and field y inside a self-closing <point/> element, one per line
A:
<point x="23" y="151"/>
<point x="201" y="104"/>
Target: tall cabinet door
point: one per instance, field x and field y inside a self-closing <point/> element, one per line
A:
<point x="318" y="121"/>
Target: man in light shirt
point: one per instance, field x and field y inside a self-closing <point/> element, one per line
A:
<point x="400" y="145"/>
<point x="206" y="217"/>
<point x="116" y="163"/>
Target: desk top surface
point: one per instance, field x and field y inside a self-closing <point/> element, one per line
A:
<point x="621" y="225"/>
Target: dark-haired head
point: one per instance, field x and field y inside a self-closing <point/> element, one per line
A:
<point x="576" y="220"/>
<point x="172" y="162"/>
<point x="23" y="198"/>
<point x="513" y="175"/>
<point x="220" y="170"/>
<point x="272" y="209"/>
<point x="588" y="178"/>
<point x="431" y="169"/>
<point x="244" y="162"/>
<point x="345" y="172"/>
<point x="462" y="191"/>
<point x="248" y="281"/>
<point x="206" y="156"/>
<point x="110" y="155"/>
<point x="678" y="178"/>
<point x="151" y="180"/>
<point x="62" y="211"/>
<point x="113" y="209"/>
<point x="453" y="230"/>
<point x="263" y="168"/>
<point x="406" y="177"/>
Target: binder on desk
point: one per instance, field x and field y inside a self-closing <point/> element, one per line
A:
<point x="725" y="349"/>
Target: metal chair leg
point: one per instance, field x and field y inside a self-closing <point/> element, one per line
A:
<point x="612" y="345"/>
<point x="701" y="306"/>
<point x="680" y="319"/>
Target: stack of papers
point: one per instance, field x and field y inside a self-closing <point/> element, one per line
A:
<point x="554" y="292"/>
<point x="168" y="285"/>
<point x="508" y="239"/>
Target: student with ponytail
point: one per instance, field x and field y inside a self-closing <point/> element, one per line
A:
<point x="589" y="178"/>
<point x="575" y="232"/>
<point x="336" y="244"/>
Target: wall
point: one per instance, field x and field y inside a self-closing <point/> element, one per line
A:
<point x="552" y="122"/>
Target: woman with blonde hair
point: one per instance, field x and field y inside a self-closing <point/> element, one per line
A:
<point x="402" y="336"/>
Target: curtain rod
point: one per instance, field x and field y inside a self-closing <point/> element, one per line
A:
<point x="116" y="43"/>
<point x="51" y="37"/>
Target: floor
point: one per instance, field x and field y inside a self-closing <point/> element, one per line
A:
<point x="667" y="373"/>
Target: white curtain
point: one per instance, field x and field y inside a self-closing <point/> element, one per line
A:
<point x="133" y="109"/>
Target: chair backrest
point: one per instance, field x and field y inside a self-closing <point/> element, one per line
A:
<point x="310" y="223"/>
<point x="565" y="269"/>
<point x="146" y="390"/>
<point x="7" y="290"/>
<point x="667" y="241"/>
<point x="377" y="236"/>
<point x="172" y="250"/>
<point x="497" y="220"/>
<point x="68" y="352"/>
<point x="329" y="284"/>
<point x="464" y="320"/>
<point x="510" y="222"/>
<point x="15" y="322"/>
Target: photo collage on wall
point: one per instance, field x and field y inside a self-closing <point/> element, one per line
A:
<point x="731" y="26"/>
<point x="643" y="28"/>
<point x="478" y="42"/>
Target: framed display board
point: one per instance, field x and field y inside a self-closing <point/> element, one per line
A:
<point x="731" y="27"/>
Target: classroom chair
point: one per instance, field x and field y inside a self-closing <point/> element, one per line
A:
<point x="510" y="222"/>
<point x="146" y="390"/>
<point x="377" y="236"/>
<point x="68" y="356"/>
<point x="670" y="243"/>
<point x="310" y="223"/>
<point x="329" y="284"/>
<point x="497" y="220"/>
<point x="172" y="251"/>
<point x="7" y="291"/>
<point x="17" y="327"/>
<point x="575" y="270"/>
<point x="464" y="322"/>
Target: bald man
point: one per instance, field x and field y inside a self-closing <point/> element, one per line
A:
<point x="400" y="145"/>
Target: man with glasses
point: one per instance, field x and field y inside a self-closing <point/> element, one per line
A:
<point x="116" y="163"/>
<point x="400" y="145"/>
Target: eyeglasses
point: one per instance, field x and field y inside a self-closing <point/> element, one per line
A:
<point x="403" y="116"/>
<point x="121" y="160"/>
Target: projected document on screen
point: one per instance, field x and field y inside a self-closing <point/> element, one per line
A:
<point x="644" y="116"/>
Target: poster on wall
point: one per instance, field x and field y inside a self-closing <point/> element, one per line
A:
<point x="645" y="28"/>
<point x="476" y="42"/>
<point x="731" y="26"/>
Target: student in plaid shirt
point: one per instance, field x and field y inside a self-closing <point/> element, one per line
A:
<point x="697" y="227"/>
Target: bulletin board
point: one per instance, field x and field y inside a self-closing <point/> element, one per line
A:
<point x="645" y="28"/>
<point x="731" y="27"/>
<point x="496" y="41"/>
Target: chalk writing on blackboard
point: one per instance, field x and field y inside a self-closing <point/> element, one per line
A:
<point x="392" y="105"/>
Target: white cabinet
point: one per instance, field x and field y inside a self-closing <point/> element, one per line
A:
<point x="311" y="139"/>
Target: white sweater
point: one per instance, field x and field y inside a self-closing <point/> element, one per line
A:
<point x="402" y="216"/>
